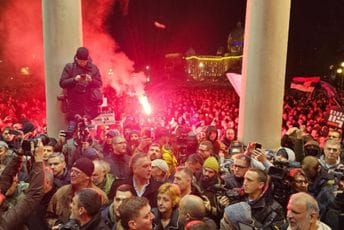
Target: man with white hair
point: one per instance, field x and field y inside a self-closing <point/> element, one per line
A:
<point x="303" y="213"/>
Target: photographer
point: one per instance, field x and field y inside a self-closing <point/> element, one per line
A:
<point x="18" y="215"/>
<point x="81" y="80"/>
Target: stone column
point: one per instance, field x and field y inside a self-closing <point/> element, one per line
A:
<point x="263" y="74"/>
<point x="62" y="35"/>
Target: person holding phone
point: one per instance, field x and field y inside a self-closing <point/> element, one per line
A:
<point x="81" y="82"/>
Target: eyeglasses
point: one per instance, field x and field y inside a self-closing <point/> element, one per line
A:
<point x="6" y="133"/>
<point x="75" y="172"/>
<point x="239" y="166"/>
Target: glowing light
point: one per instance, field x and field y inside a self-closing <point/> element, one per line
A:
<point x="145" y="104"/>
<point x="25" y="70"/>
<point x="342" y="64"/>
<point x="201" y="65"/>
<point x="214" y="58"/>
<point x="339" y="70"/>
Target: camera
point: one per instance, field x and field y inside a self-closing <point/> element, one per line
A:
<point x="279" y="174"/>
<point x="26" y="144"/>
<point x="234" y="194"/>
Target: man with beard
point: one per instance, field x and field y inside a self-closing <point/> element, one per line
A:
<point x="119" y="158"/>
<point x="81" y="177"/>
<point x="209" y="184"/>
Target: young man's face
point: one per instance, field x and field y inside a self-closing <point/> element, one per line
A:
<point x="144" y="221"/>
<point x="56" y="165"/>
<point x="251" y="182"/>
<point x="117" y="201"/>
<point x="48" y="150"/>
<point x="74" y="207"/>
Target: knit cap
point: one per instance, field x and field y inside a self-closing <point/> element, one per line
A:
<point x="82" y="53"/>
<point x="85" y="165"/>
<point x="161" y="164"/>
<point x="211" y="163"/>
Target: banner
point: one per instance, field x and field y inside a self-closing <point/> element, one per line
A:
<point x="336" y="118"/>
<point x="105" y="118"/>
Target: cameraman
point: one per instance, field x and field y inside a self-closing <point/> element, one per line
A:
<point x="18" y="215"/>
<point x="81" y="80"/>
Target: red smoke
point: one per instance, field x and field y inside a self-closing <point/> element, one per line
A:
<point x="21" y="26"/>
<point x="105" y="51"/>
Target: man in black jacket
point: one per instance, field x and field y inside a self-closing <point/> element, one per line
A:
<point x="265" y="210"/>
<point x="81" y="81"/>
<point x="85" y="208"/>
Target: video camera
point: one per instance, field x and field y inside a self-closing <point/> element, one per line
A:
<point x="234" y="194"/>
<point x="279" y="174"/>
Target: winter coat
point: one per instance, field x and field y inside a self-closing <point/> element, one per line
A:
<point x="80" y="95"/>
<point x="15" y="217"/>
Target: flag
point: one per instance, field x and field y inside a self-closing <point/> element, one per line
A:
<point x="235" y="80"/>
<point x="304" y="84"/>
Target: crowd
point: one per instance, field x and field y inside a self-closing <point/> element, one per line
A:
<point x="180" y="168"/>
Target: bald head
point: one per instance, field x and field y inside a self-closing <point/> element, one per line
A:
<point x="307" y="200"/>
<point x="191" y="207"/>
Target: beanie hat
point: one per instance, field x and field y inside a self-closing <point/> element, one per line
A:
<point x="239" y="213"/>
<point x="85" y="165"/>
<point x="82" y="53"/>
<point x="161" y="164"/>
<point x="91" y="153"/>
<point x="211" y="163"/>
<point x="312" y="142"/>
<point x="3" y="144"/>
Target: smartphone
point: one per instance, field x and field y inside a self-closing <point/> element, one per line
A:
<point x="258" y="146"/>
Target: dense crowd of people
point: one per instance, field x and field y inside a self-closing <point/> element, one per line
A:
<point x="180" y="168"/>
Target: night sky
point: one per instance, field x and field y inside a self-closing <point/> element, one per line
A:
<point x="316" y="32"/>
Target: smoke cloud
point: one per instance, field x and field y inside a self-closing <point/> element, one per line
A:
<point x="21" y="28"/>
<point x="117" y="69"/>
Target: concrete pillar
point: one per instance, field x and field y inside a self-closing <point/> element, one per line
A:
<point x="263" y="74"/>
<point x="62" y="35"/>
